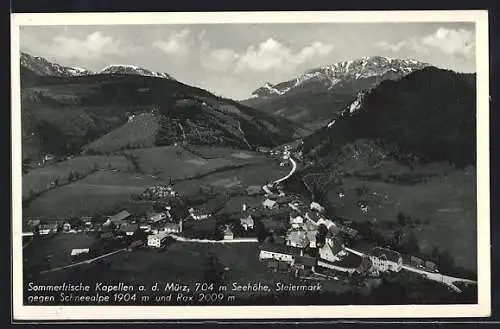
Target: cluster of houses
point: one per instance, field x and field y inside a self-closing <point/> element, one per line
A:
<point x="159" y="192"/>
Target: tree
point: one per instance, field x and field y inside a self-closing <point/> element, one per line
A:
<point x="401" y="219"/>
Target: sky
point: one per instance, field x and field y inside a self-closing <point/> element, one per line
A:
<point x="232" y="60"/>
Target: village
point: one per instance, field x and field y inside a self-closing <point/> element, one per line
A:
<point x="294" y="235"/>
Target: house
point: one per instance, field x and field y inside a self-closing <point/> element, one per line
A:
<point x="77" y="252"/>
<point x="415" y="261"/>
<point x="228" y="233"/>
<point x="156" y="217"/>
<point x="317" y="207"/>
<point x="247" y="222"/>
<point x="66" y="227"/>
<point x="296" y="221"/>
<point x="384" y="259"/>
<point x="129" y="229"/>
<point x="45" y="229"/>
<point x="157" y="240"/>
<point x="254" y="190"/>
<point x="331" y="251"/>
<point x="276" y="251"/>
<point x="145" y="227"/>
<point x="297" y="238"/>
<point x="173" y="227"/>
<point x="269" y="204"/>
<point x="119" y="218"/>
<point x="431" y="266"/>
<point x="198" y="214"/>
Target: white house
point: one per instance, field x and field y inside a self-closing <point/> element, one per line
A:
<point x="317" y="207"/>
<point x="247" y="223"/>
<point x="228" y="233"/>
<point x="75" y="252"/>
<point x="269" y="204"/>
<point x="296" y="221"/>
<point x="173" y="227"/>
<point x="384" y="260"/>
<point x="198" y="214"/>
<point x="277" y="252"/>
<point x="157" y="240"/>
<point x="156" y="217"/>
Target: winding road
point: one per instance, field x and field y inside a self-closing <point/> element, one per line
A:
<point x="294" y="168"/>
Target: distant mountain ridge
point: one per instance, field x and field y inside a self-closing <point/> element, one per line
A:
<point x="64" y="114"/>
<point x="429" y="114"/>
<point x="41" y="66"/>
<point x="319" y="95"/>
<point x="330" y="75"/>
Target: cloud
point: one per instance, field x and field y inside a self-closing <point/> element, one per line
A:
<point x="218" y="59"/>
<point x="176" y="44"/>
<point x="451" y="42"/>
<point x="94" y="45"/>
<point x="273" y="55"/>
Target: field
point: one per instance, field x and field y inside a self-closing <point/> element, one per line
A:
<point x="97" y="193"/>
<point x="39" y="180"/>
<point x="175" y="163"/>
<point x="439" y="207"/>
<point x="56" y="251"/>
<point x="140" y="132"/>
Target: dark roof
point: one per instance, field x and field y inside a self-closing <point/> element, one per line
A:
<point x="284" y="199"/>
<point x="391" y="255"/>
<point x="129" y="227"/>
<point x="278" y="248"/>
<point x="305" y="260"/>
<point x="120" y="216"/>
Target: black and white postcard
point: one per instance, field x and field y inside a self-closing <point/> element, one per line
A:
<point x="250" y="165"/>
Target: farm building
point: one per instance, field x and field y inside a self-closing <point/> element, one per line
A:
<point x="317" y="207"/>
<point x="120" y="218"/>
<point x="157" y="240"/>
<point x="172" y="227"/>
<point x="269" y="204"/>
<point x="384" y="259"/>
<point x="430" y="265"/>
<point x="45" y="229"/>
<point x="277" y="252"/>
<point x="254" y="190"/>
<point x="129" y="229"/>
<point x="228" y="233"/>
<point x="297" y="221"/>
<point x="198" y="214"/>
<point x="331" y="251"/>
<point x="156" y="217"/>
<point x="247" y="222"/>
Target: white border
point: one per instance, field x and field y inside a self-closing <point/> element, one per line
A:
<point x="482" y="309"/>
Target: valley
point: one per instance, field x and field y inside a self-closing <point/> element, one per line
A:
<point x="131" y="175"/>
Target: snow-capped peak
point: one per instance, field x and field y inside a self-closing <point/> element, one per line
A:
<point x="132" y="69"/>
<point x="331" y="75"/>
<point x="42" y="66"/>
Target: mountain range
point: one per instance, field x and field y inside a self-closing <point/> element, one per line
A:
<point x="320" y="94"/>
<point x="62" y="113"/>
<point x="41" y="66"/>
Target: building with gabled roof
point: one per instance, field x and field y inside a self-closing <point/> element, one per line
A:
<point x="269" y="204"/>
<point x="297" y="238"/>
<point x="384" y="259"/>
